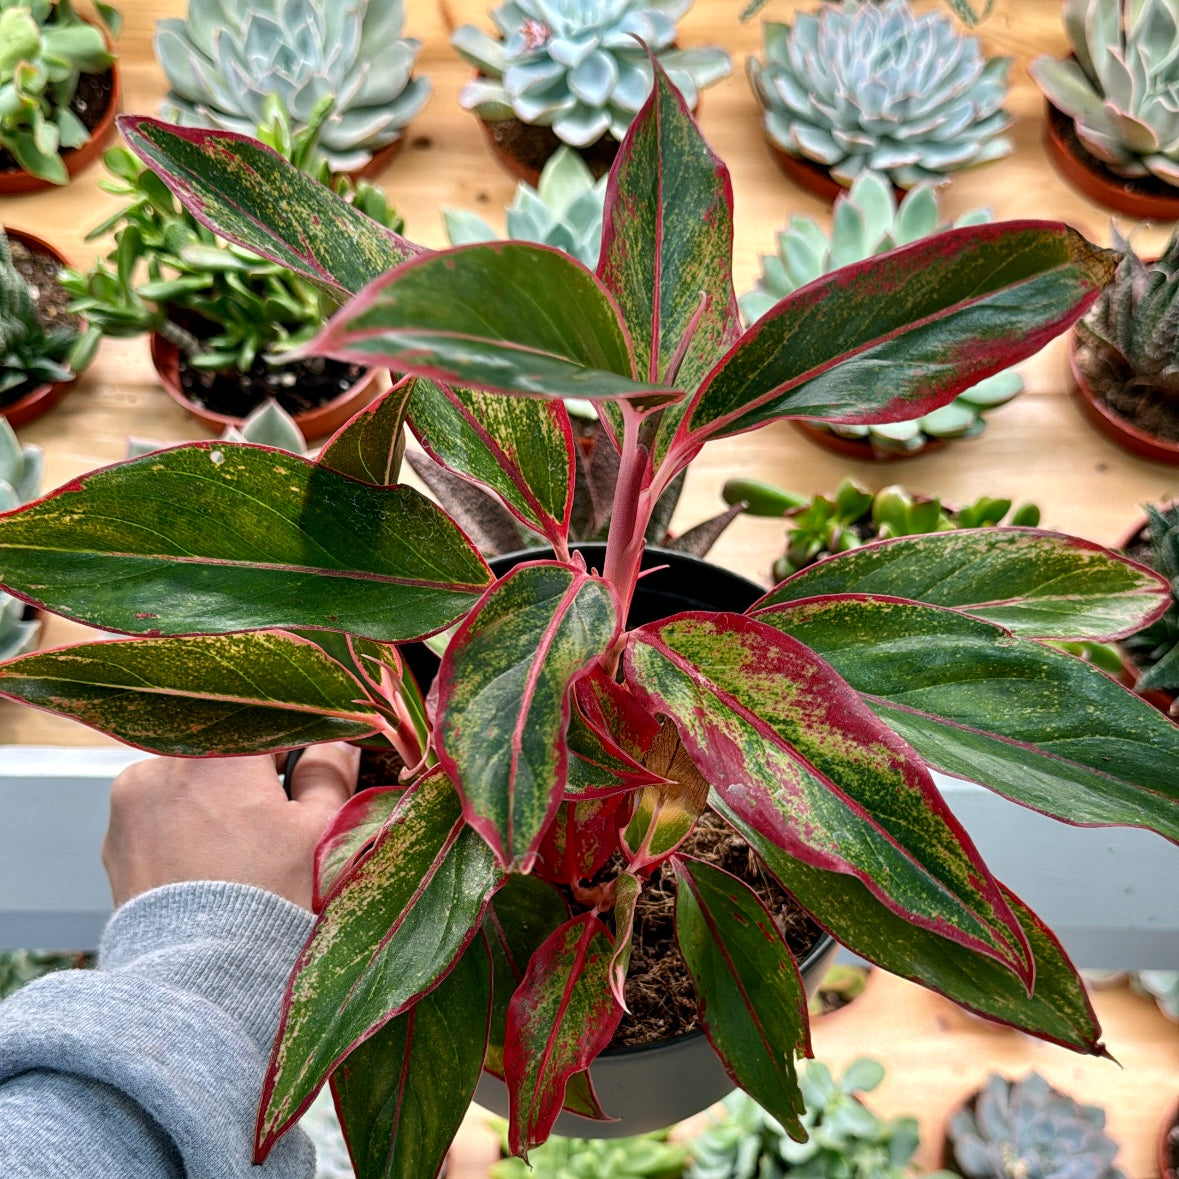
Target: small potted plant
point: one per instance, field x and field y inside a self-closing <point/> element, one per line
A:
<point x="21" y="468"/>
<point x="574" y="74"/>
<point x="1112" y="128"/>
<point x="221" y="319"/>
<point x="1125" y="355"/>
<point x="1151" y="656"/>
<point x="223" y="62"/>
<point x="1027" y="1127"/>
<point x="60" y="91"/>
<point x="593" y="740"/>
<point x="868" y="220"/>
<point x="838" y="95"/>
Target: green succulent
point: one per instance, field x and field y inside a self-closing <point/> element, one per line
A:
<point x="564" y="210"/>
<point x="1121" y="84"/>
<point x="223" y="305"/>
<point x="846" y="1139"/>
<point x="21" y="469"/>
<point x="45" y="47"/>
<point x="860" y="86"/>
<point x="1026" y="1129"/>
<point x="577" y="67"/>
<point x="226" y="59"/>
<point x="964" y="10"/>
<point x="1156" y="648"/>
<point x="868" y="221"/>
<point x="644" y="1156"/>
<point x="30" y="353"/>
<point x="820" y="526"/>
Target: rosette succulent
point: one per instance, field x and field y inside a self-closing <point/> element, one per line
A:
<point x="1027" y="1128"/>
<point x="1121" y="84"/>
<point x="868" y="221"/>
<point x="21" y="468"/>
<point x="856" y="85"/>
<point x="225" y="59"/>
<point x="576" y="66"/>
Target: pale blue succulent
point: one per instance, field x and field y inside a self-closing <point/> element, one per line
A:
<point x="1121" y="84"/>
<point x="575" y="65"/>
<point x="866" y="221"/>
<point x="564" y="210"/>
<point x="858" y="86"/>
<point x="21" y="469"/>
<point x="268" y="425"/>
<point x="228" y="56"/>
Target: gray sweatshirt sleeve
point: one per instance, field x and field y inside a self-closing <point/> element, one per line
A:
<point x="150" y="1066"/>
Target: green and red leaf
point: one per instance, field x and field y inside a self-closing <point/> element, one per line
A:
<point x="218" y="536"/>
<point x="369" y="446"/>
<point x="504" y="698"/>
<point x="1058" y="1010"/>
<point x="388" y="933"/>
<point x="581" y="839"/>
<point x="1040" y="727"/>
<point x="402" y="1094"/>
<point x="598" y="765"/>
<point x="519" y="447"/>
<point x="1041" y="585"/>
<point x="352" y="831"/>
<point x="627" y="889"/>
<point x="509" y="317"/>
<point x="560" y="1018"/>
<point x="793" y="750"/>
<point x="899" y="334"/>
<point x="751" y="998"/>
<point x="218" y="695"/>
<point x="248" y="194"/>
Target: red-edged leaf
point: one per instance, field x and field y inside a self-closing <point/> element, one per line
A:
<point x="351" y="832"/>
<point x="897" y="335"/>
<point x="402" y="1093"/>
<point x="751" y="998"/>
<point x="795" y="751"/>
<point x="598" y="766"/>
<point x="519" y="447"/>
<point x="615" y="714"/>
<point x="369" y="446"/>
<point x="627" y="888"/>
<point x="1058" y="1010"/>
<point x="581" y="839"/>
<point x="388" y="933"/>
<point x="561" y="1016"/>
<point x="503" y="698"/>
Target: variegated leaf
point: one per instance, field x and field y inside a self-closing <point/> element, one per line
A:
<point x="581" y="839"/>
<point x="351" y="832"/>
<point x="627" y="889"/>
<point x="369" y="446"/>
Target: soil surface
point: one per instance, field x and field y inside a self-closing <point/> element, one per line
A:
<point x="1113" y="381"/>
<point x="91" y="101"/>
<point x="532" y="145"/>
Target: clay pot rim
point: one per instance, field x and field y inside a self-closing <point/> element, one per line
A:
<point x="813" y="177"/>
<point x="14" y="181"/>
<point x="1112" y="424"/>
<point x="861" y="449"/>
<point x="1097" y="182"/>
<point x="314" y="423"/>
<point x="41" y="399"/>
<point x="379" y="160"/>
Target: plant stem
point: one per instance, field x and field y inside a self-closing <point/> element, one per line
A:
<point x="630" y="513"/>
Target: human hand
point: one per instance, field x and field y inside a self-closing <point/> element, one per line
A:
<point x="224" y="818"/>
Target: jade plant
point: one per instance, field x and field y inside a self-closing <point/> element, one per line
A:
<point x="580" y="68"/>
<point x="45" y="48"/>
<point x="562" y="755"/>
<point x="224" y="61"/>
<point x="838" y="89"/>
<point x="1118" y="84"/>
<point x="867" y="220"/>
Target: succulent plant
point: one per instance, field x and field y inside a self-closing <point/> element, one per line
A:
<point x="1121" y="84"/>
<point x="564" y="210"/>
<point x="859" y="86"/>
<point x="846" y="1139"/>
<point x="1026" y="1129"/>
<point x="577" y="67"/>
<point x="1155" y="649"/>
<point x="1162" y="986"/>
<point x="820" y="526"/>
<point x="225" y="59"/>
<point x="21" y="468"/>
<point x="45" y="47"/>
<point x="964" y="10"/>
<point x="868" y="221"/>
<point x="269" y="425"/>
<point x="642" y="1156"/>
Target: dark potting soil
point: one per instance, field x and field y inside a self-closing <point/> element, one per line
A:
<point x="49" y="299"/>
<point x="379" y="767"/>
<point x="1113" y="381"/>
<point x="659" y="991"/>
<point x="298" y="387"/>
<point x="532" y="145"/>
<point x="91" y="101"/>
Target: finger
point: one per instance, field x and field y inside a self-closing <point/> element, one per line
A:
<point x="325" y="776"/>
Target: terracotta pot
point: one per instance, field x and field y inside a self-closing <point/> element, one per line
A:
<point x="315" y="423"/>
<point x="381" y="159"/>
<point x="1145" y="197"/>
<point x="39" y="400"/>
<point x="1121" y="430"/>
<point x="1168" y="1147"/>
<point x="16" y="180"/>
<point x="860" y="448"/>
<point x="813" y="178"/>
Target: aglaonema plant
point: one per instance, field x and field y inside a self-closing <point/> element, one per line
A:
<point x="463" y="913"/>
